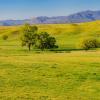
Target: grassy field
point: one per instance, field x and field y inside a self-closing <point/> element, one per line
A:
<point x="50" y="75"/>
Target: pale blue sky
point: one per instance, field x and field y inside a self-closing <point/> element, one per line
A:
<point x="22" y="9"/>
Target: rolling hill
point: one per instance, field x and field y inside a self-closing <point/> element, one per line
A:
<point x="49" y="50"/>
<point x="50" y="75"/>
<point x="67" y="35"/>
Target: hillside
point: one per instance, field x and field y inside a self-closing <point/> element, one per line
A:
<point x="67" y="35"/>
<point x="85" y="16"/>
<point x="50" y="75"/>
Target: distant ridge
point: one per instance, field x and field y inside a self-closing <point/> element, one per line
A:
<point x="84" y="16"/>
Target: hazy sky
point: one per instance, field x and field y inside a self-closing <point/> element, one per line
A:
<point x="19" y="9"/>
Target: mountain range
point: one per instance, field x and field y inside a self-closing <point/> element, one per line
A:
<point x="84" y="16"/>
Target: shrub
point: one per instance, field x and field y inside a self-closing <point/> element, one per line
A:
<point x="5" y="37"/>
<point x="89" y="43"/>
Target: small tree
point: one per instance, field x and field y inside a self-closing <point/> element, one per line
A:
<point x="89" y="43"/>
<point x="29" y="35"/>
<point x="5" y="37"/>
<point x="45" y="41"/>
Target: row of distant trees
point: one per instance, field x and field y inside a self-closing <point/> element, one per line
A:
<point x="42" y="40"/>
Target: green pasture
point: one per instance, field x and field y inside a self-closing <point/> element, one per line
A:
<point x="50" y="75"/>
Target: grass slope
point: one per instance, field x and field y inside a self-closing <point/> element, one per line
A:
<point x="67" y="35"/>
<point x="48" y="75"/>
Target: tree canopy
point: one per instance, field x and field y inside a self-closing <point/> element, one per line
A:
<point x="45" y="41"/>
<point x="29" y="35"/>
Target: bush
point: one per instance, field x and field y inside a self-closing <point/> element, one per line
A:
<point x="89" y="43"/>
<point x="5" y="37"/>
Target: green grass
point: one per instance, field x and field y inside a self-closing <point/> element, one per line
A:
<point x="50" y="75"/>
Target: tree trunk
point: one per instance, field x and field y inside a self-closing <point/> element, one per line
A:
<point x="29" y="47"/>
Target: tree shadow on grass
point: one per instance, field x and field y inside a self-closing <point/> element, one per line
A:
<point x="68" y="50"/>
